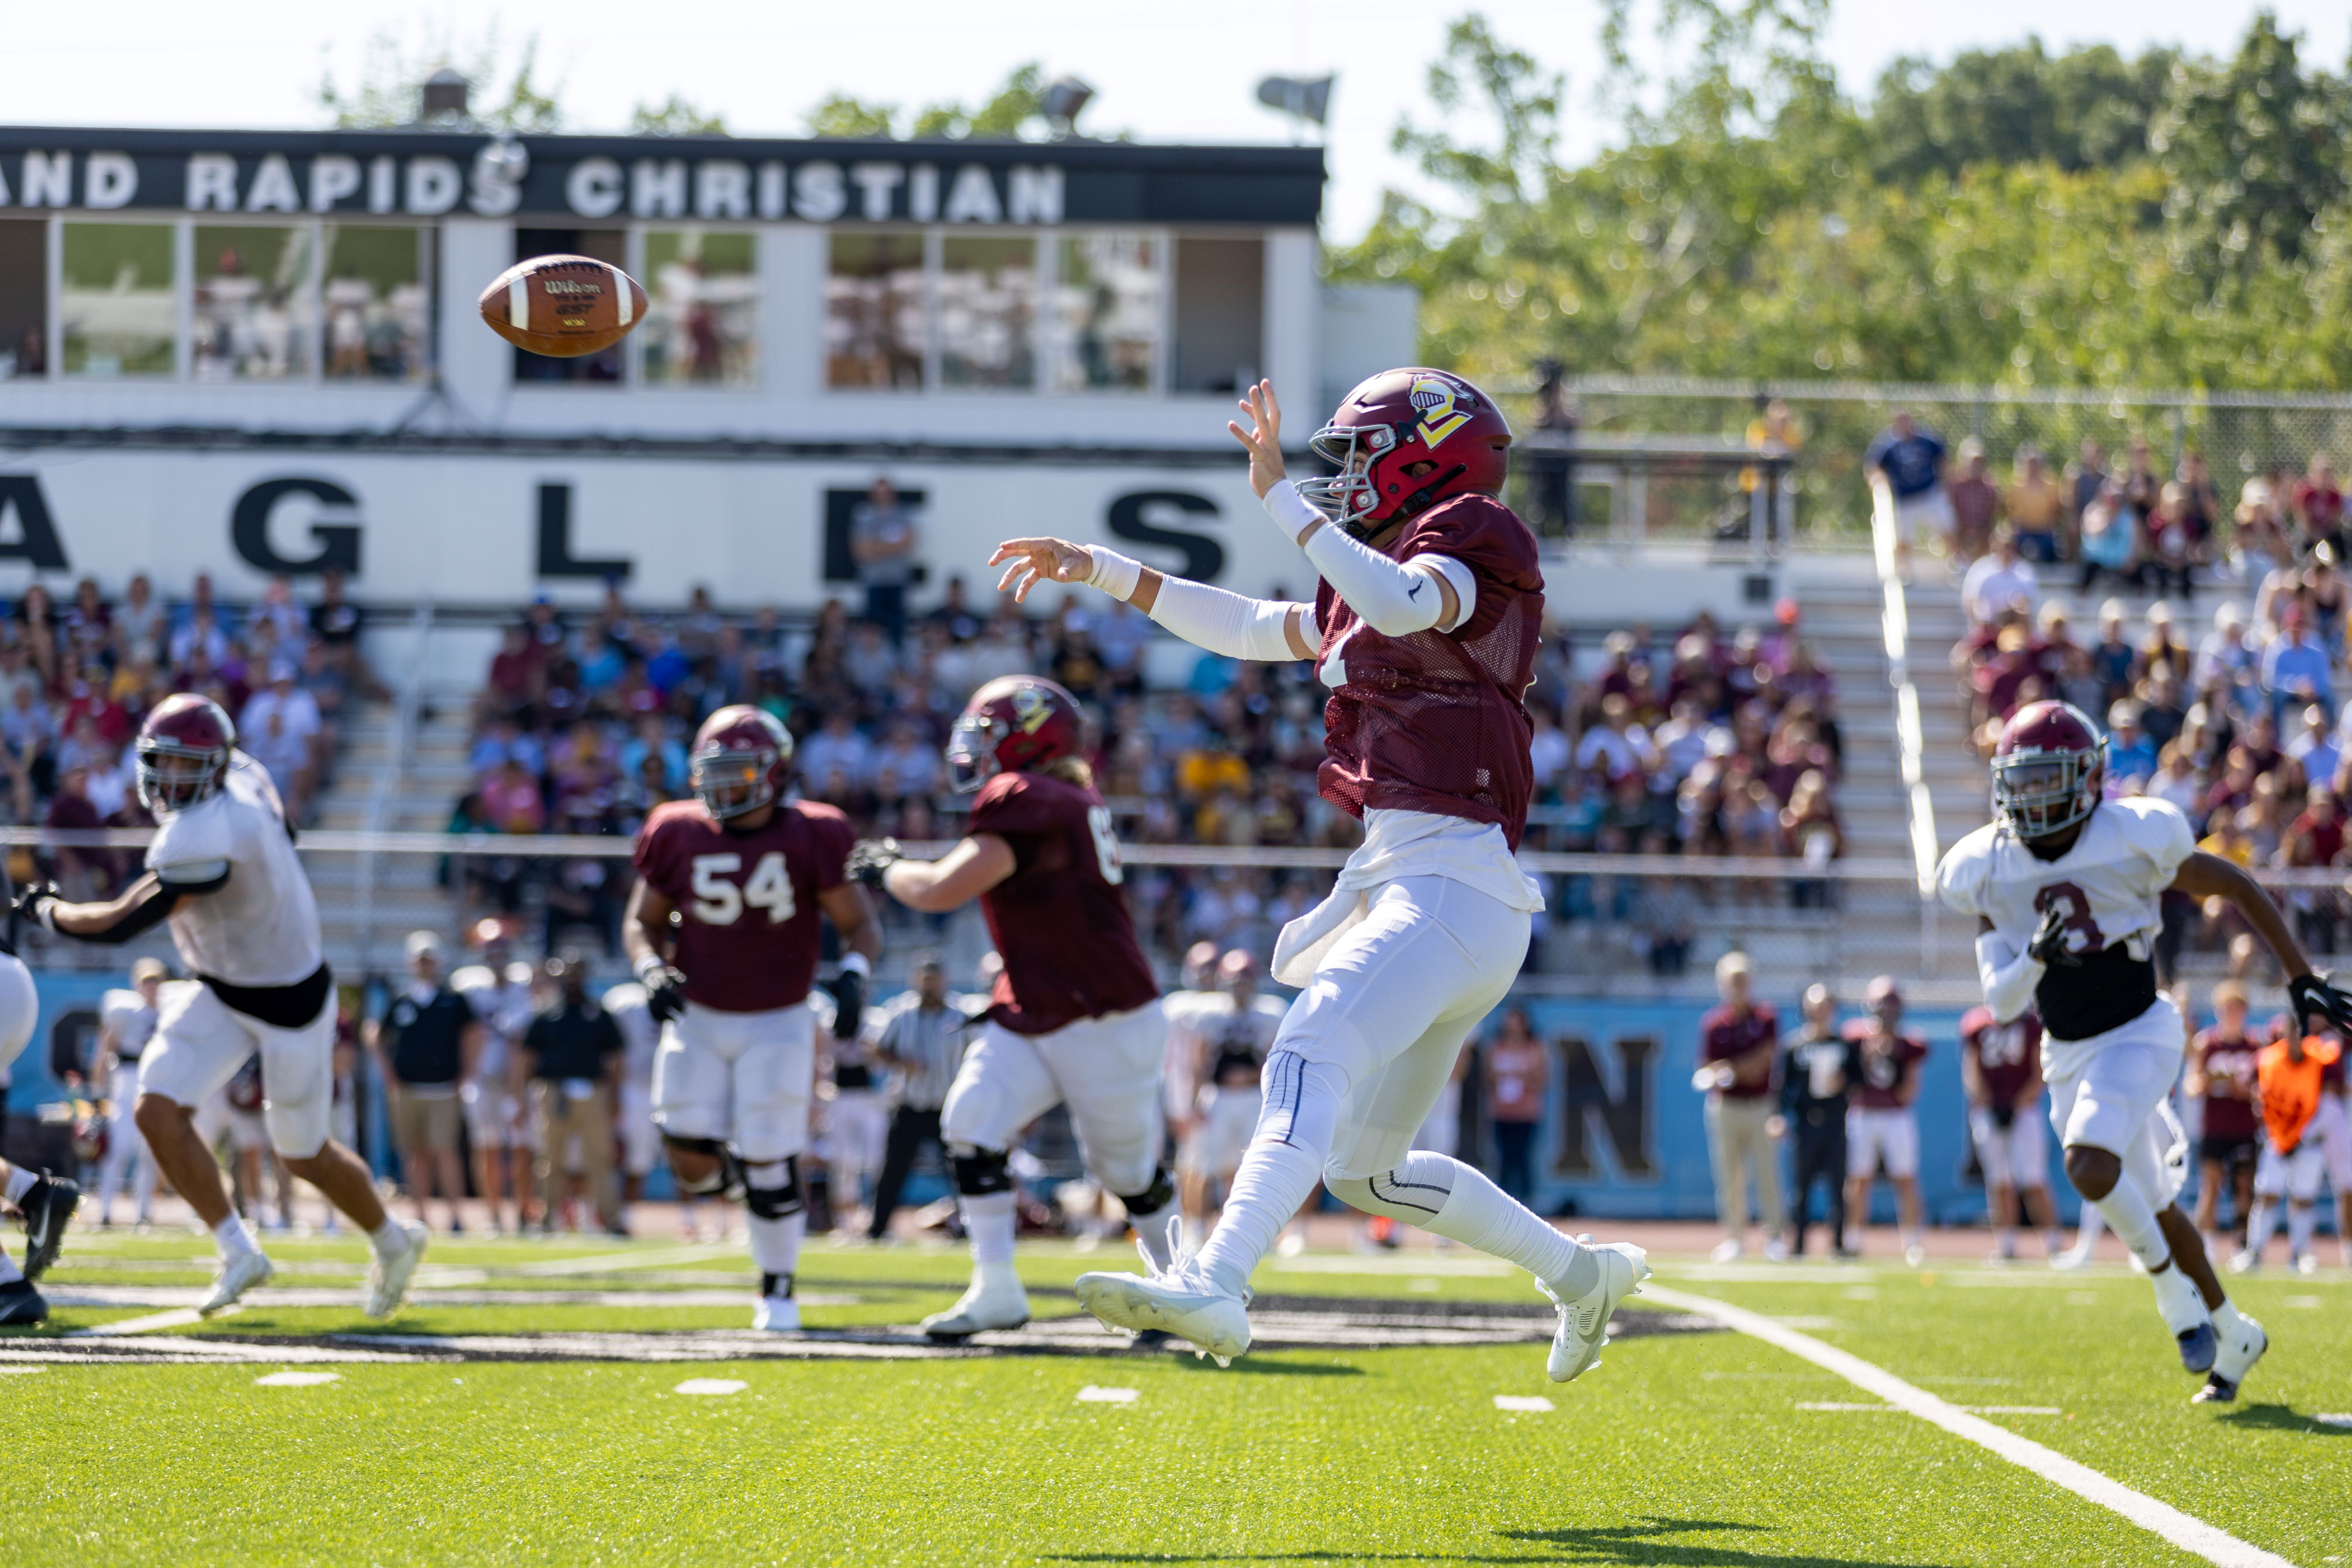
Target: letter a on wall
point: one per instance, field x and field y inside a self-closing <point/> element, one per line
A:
<point x="33" y="538"/>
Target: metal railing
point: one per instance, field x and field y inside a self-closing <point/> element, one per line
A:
<point x="390" y="776"/>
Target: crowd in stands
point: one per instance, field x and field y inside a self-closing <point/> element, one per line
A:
<point x="2238" y="720"/>
<point x="78" y="677"/>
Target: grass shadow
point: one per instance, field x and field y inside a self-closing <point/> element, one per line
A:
<point x="1649" y="1541"/>
<point x="1254" y="1366"/>
<point x="2284" y="1418"/>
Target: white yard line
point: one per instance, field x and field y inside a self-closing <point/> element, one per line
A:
<point x="177" y="1318"/>
<point x="2190" y="1534"/>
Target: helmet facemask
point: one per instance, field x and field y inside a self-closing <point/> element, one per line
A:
<point x="971" y="751"/>
<point x="729" y="783"/>
<point x="1350" y="497"/>
<point x="173" y="777"/>
<point x="2038" y="794"/>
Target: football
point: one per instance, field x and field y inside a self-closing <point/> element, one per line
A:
<point x="563" y="306"/>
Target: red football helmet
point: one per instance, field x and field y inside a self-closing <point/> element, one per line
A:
<point x="1398" y="419"/>
<point x="2049" y="770"/>
<point x="741" y="759"/>
<point x="184" y="751"/>
<point x="1016" y="722"/>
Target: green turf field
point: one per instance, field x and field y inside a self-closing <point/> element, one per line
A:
<point x="1690" y="1447"/>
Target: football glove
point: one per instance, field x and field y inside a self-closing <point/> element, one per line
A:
<point x="848" y="989"/>
<point x="869" y="859"/>
<point x="2314" y="997"/>
<point x="2049" y="944"/>
<point x="665" y="986"/>
<point x="32" y="905"/>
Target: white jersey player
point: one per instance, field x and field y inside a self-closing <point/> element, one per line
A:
<point x="499" y="988"/>
<point x="46" y="1202"/>
<point x="2065" y="887"/>
<point x="126" y="1026"/>
<point x="223" y="871"/>
<point x="1225" y="1037"/>
<point x="640" y="1139"/>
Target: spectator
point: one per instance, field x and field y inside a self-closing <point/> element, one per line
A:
<point x="1975" y="500"/>
<point x="279" y="728"/>
<point x="1736" y="1041"/>
<point x="2297" y="669"/>
<point x="424" y="1046"/>
<point x="1616" y="748"/>
<point x="2035" y="505"/>
<point x="1912" y="461"/>
<point x="2109" y="542"/>
<point x="1818" y="1066"/>
<point x="1518" y="1080"/>
<point x="920" y="1035"/>
<point x="2318" y="505"/>
<point x="571" y="1055"/>
<point x="883" y="537"/>
<point x="1997" y="581"/>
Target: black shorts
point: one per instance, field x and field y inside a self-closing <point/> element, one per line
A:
<point x="2229" y="1150"/>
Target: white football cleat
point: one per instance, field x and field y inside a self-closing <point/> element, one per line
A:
<point x="1584" y="1322"/>
<point x="239" y="1272"/>
<point x="994" y="1300"/>
<point x="2240" y="1349"/>
<point x="1727" y="1251"/>
<point x="1914" y="1256"/>
<point x="2073" y="1257"/>
<point x="1183" y="1301"/>
<point x="1776" y="1252"/>
<point x="2245" y="1260"/>
<point x="388" y="1277"/>
<point x="777" y="1315"/>
<point x="2306" y="1263"/>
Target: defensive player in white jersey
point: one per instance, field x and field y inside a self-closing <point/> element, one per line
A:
<point x="640" y="1139"/>
<point x="46" y="1202"/>
<point x="499" y="988"/>
<point x="1227" y="1037"/>
<point x="1424" y="626"/>
<point x="126" y="1025"/>
<point x="2064" y="885"/>
<point x="223" y="871"/>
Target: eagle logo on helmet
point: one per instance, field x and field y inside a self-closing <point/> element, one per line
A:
<point x="1436" y="397"/>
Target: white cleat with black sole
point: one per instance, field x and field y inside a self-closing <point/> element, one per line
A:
<point x="389" y="1277"/>
<point x="239" y="1272"/>
<point x="2240" y="1349"/>
<point x="1183" y="1302"/>
<point x="1584" y="1329"/>
<point x="994" y="1300"/>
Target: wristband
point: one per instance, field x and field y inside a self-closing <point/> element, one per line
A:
<point x="858" y="963"/>
<point x="1114" y="574"/>
<point x="1292" y="512"/>
<point x="648" y="966"/>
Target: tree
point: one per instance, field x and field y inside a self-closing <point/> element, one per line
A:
<point x="1016" y="107"/>
<point x="394" y="68"/>
<point x="675" y="117"/>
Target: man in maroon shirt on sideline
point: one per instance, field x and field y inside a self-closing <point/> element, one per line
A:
<point x="1736" y="1044"/>
<point x="1075" y="1018"/>
<point x="2221" y="1075"/>
<point x="1880" y="1124"/>
<point x="2000" y="1070"/>
<point x="723" y="931"/>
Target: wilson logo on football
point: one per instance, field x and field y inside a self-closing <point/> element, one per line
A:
<point x="1439" y="418"/>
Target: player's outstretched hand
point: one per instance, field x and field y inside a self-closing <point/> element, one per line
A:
<point x="2314" y="997"/>
<point x="869" y="859"/>
<point x="1036" y="560"/>
<point x="32" y="905"/>
<point x="665" y="986"/>
<point x="1264" y="437"/>
<point x="2049" y="943"/>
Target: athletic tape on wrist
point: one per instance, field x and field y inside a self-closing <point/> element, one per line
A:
<point x="1114" y="574"/>
<point x="1292" y="512"/>
<point x="857" y="963"/>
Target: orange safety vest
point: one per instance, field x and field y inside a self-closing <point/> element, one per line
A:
<point x="2290" y="1090"/>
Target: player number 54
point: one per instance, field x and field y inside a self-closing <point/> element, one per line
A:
<point x="718" y="901"/>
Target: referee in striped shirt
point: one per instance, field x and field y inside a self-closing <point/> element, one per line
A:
<point x="920" y="1035"/>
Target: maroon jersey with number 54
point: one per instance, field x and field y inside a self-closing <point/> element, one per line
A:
<point x="747" y="902"/>
<point x="1060" y="921"/>
<point x="1435" y="721"/>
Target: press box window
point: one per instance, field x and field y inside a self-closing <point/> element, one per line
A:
<point x="24" y="298"/>
<point x="118" y="309"/>
<point x="702" y="308"/>
<point x="1107" y="295"/>
<point x="1219" y="310"/>
<point x="876" y="313"/>
<point x="375" y="301"/>
<point x="610" y="246"/>
<point x="988" y="313"/>
<point x="252" y="306"/>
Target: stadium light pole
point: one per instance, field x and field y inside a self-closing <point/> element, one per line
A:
<point x="1067" y="98"/>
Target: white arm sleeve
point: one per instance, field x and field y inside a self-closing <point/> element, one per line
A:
<point x="1231" y="624"/>
<point x="2009" y="975"/>
<point x="1394" y="597"/>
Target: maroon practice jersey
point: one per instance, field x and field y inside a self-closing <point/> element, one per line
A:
<point x="2229" y="1061"/>
<point x="1722" y="1034"/>
<point x="746" y="902"/>
<point x="1060" y="921"/>
<point x="1436" y="720"/>
<point x="2006" y="1054"/>
<point x="1882" y="1072"/>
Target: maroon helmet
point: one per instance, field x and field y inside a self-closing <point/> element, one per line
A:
<point x="1016" y="722"/>
<point x="183" y="750"/>
<point x="741" y="759"/>
<point x="2049" y="770"/>
<point x="1398" y="420"/>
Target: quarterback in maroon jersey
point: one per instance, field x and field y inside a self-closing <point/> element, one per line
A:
<point x="2000" y="1070"/>
<point x="1424" y="627"/>
<point x="723" y="930"/>
<point x="1075" y="1018"/>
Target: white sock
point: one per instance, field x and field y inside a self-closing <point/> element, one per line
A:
<point x="2092" y="1223"/>
<point x="988" y="1219"/>
<point x="2130" y="1215"/>
<point x="2006" y="1239"/>
<point x="2302" y="1219"/>
<point x="2228" y="1324"/>
<point x="1476" y="1213"/>
<point x="776" y="1243"/>
<point x="1156" y="1234"/>
<point x="1281" y="1167"/>
<point x="9" y="1272"/>
<point x="20" y="1182"/>
<point x="2259" y="1226"/>
<point x="2178" y="1299"/>
<point x="230" y="1236"/>
<point x="388" y="1239"/>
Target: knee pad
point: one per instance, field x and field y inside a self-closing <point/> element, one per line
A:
<point x="779" y="1202"/>
<point x="1151" y="1199"/>
<point x="722" y="1180"/>
<point x="980" y="1171"/>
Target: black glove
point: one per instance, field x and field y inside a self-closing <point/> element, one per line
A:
<point x="869" y="857"/>
<point x="848" y="989"/>
<point x="32" y="905"/>
<point x="665" y="991"/>
<point x="2049" y="943"/>
<point x="2313" y="996"/>
<point x="2003" y="1116"/>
